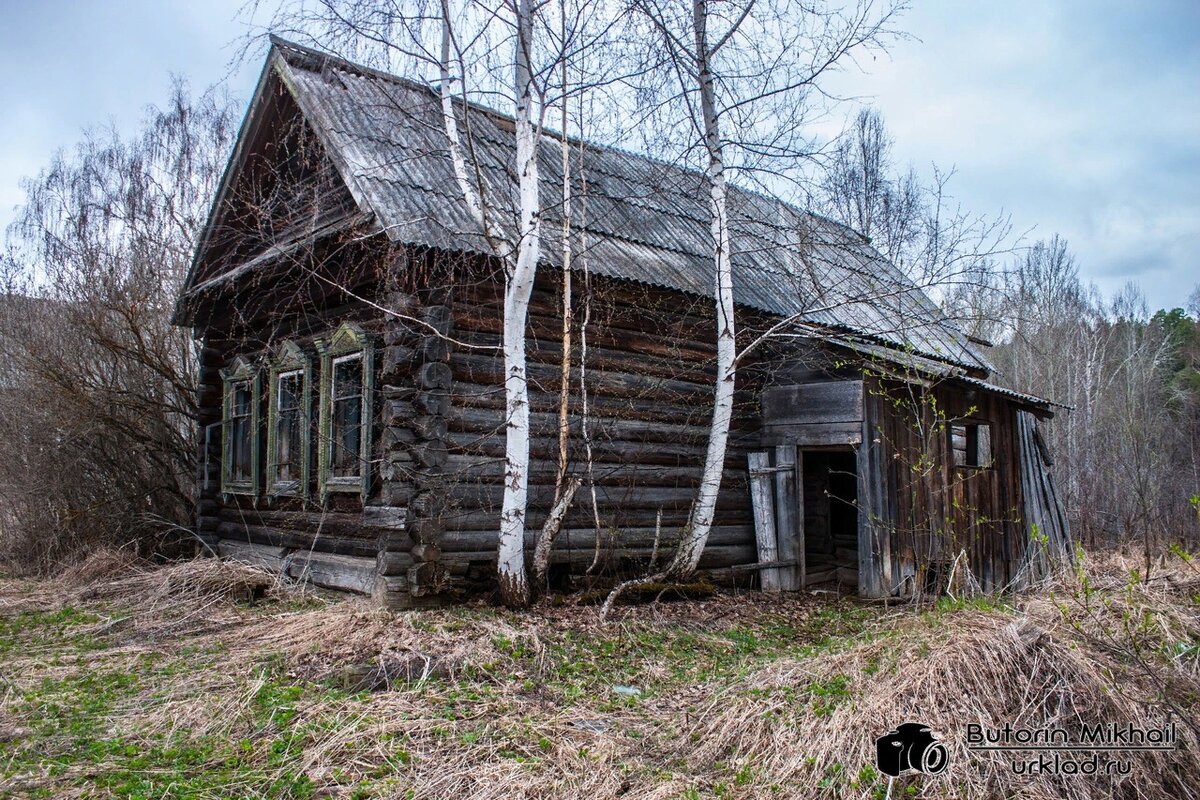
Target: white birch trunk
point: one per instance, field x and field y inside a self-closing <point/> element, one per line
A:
<point x="520" y="272"/>
<point x="695" y="536"/>
<point x="691" y="546"/>
<point x="514" y="581"/>
<point x="472" y="194"/>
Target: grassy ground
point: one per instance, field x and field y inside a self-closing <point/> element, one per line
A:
<point x="125" y="681"/>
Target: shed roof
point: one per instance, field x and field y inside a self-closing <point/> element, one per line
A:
<point x="646" y="220"/>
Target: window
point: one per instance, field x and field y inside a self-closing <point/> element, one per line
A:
<point x="971" y="444"/>
<point x="241" y="432"/>
<point x="239" y="452"/>
<point x="289" y="428"/>
<point x="345" y="429"/>
<point x="347" y="399"/>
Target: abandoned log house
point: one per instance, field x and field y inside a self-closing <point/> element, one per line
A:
<point x="348" y="314"/>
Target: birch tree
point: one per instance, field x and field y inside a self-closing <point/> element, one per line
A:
<point x="520" y="263"/>
<point x="461" y="41"/>
<point x="743" y="75"/>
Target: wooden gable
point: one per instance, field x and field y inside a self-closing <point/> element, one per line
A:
<point x="280" y="190"/>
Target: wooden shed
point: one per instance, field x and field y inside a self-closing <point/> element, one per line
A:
<point x="348" y="314"/>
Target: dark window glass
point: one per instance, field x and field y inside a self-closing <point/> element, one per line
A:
<point x="979" y="446"/>
<point x="971" y="444"/>
<point x="288" y="426"/>
<point x="240" y="454"/>
<point x="347" y="417"/>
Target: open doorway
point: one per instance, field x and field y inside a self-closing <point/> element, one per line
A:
<point x="831" y="516"/>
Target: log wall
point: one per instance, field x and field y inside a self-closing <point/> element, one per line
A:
<point x="649" y="374"/>
<point x="342" y="544"/>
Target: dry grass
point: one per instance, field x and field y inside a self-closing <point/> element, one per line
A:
<point x="206" y="679"/>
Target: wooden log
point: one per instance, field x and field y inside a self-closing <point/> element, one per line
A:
<point x="384" y="517"/>
<point x="713" y="558"/>
<point x="605" y="451"/>
<point x="329" y="571"/>
<point x="296" y="540"/>
<point x="490" y="370"/>
<point x="488" y="496"/>
<point x="458" y="541"/>
<point x="392" y="593"/>
<point x="545" y="423"/>
<point x="258" y="555"/>
<point x="762" y="566"/>
<point x="628" y="338"/>
<point x="612" y="515"/>
<point x="393" y="563"/>
<point x="685" y="364"/>
<point x="763" y="505"/>
<point x="473" y="466"/>
<point x="475" y="395"/>
<point x="335" y="524"/>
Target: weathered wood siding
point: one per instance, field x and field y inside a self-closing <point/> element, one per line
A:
<point x="438" y="417"/>
<point x="331" y="545"/>
<point x="919" y="512"/>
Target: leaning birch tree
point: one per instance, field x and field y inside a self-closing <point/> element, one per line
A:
<point x="743" y="75"/>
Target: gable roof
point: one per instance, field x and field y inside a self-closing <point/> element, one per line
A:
<point x="646" y="221"/>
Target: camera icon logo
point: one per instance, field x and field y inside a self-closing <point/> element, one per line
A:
<point x="911" y="747"/>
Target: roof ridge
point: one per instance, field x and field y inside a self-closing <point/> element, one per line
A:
<point x="324" y="58"/>
<point x="773" y="211"/>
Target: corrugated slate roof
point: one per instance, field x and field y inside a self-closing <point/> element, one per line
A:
<point x="646" y="221"/>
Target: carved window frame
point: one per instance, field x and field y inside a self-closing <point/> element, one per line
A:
<point x="240" y="371"/>
<point x="290" y="359"/>
<point x="347" y="342"/>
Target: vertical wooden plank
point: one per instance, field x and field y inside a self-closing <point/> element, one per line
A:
<point x="1031" y="505"/>
<point x="801" y="543"/>
<point x="869" y="577"/>
<point x="868" y="564"/>
<point x="889" y="560"/>
<point x="764" y="519"/>
<point x="787" y="524"/>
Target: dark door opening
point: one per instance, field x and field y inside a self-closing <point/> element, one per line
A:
<point x="831" y="516"/>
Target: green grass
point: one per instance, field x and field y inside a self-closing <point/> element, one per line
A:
<point x="76" y="730"/>
<point x="80" y="711"/>
<point x="74" y="727"/>
<point x="37" y="629"/>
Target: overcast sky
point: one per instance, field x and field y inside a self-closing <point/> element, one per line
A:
<point x="1081" y="118"/>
